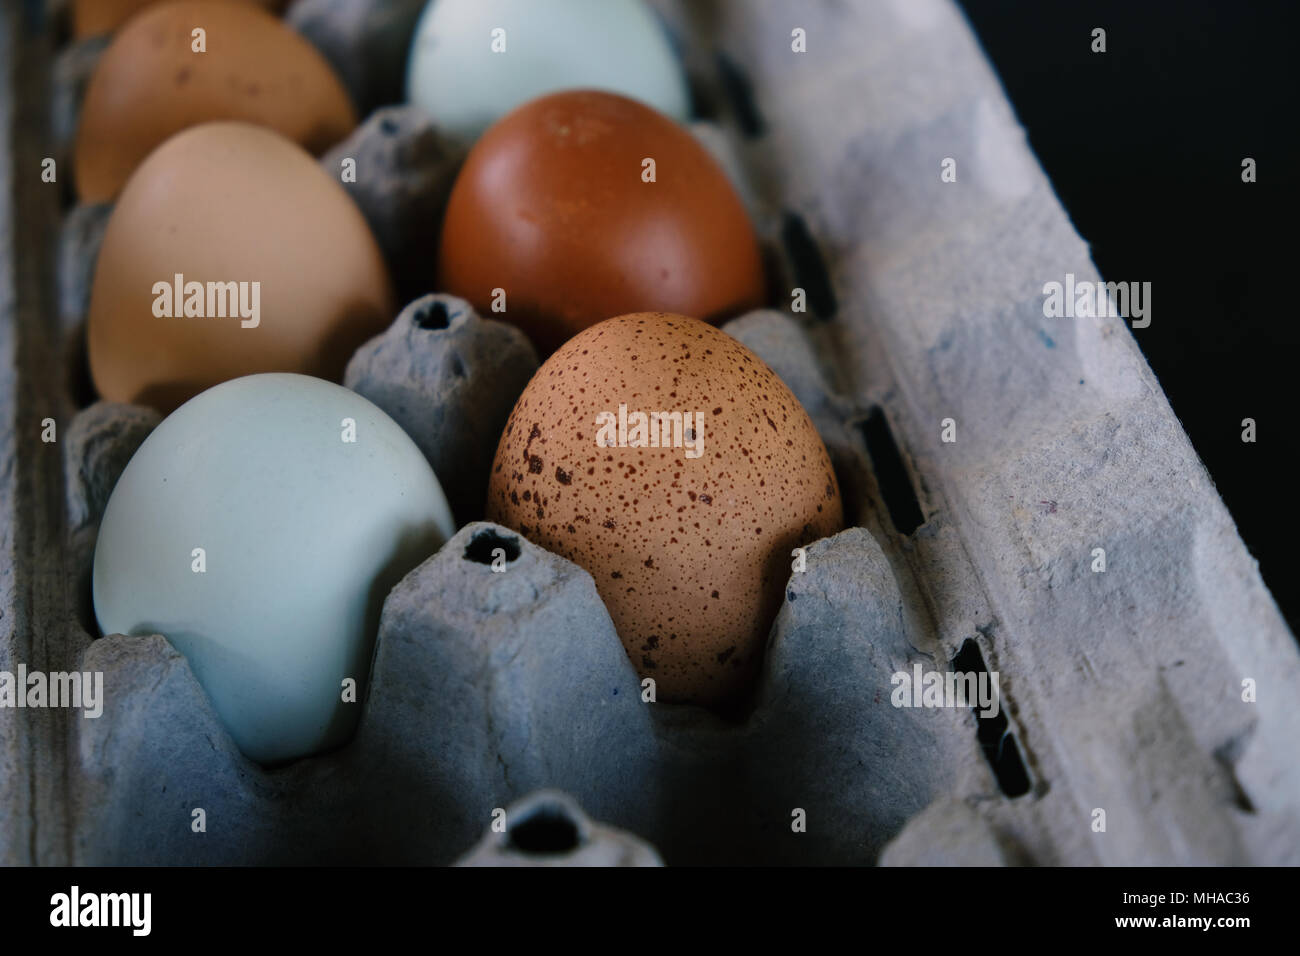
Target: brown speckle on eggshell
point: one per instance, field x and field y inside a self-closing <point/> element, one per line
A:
<point x="690" y="555"/>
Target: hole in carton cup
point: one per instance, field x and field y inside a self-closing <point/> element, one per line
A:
<point x="703" y="106"/>
<point x="482" y="545"/>
<point x="432" y="317"/>
<point x="85" y="603"/>
<point x="891" y="473"/>
<point x="388" y="126"/>
<point x="545" y="831"/>
<point x="81" y="386"/>
<point x="737" y="87"/>
<point x="809" y="267"/>
<point x="778" y="277"/>
<point x="994" y="733"/>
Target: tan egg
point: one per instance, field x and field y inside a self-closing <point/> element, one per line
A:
<point x="92" y="17"/>
<point x="278" y="271"/>
<point x="150" y="84"/>
<point x="686" y="527"/>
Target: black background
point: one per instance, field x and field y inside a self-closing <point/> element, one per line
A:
<point x="1144" y="145"/>
<point x="257" y="909"/>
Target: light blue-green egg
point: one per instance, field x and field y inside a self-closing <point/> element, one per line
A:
<point x="473" y="61"/>
<point x="259" y="529"/>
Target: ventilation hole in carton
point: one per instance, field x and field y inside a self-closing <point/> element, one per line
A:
<point x="703" y="106"/>
<point x="85" y="603"/>
<point x="776" y="277"/>
<point x="81" y="387"/>
<point x="482" y="545"/>
<point x="738" y="90"/>
<point x="891" y="474"/>
<point x="432" y="317"/>
<point x="1227" y="757"/>
<point x="389" y="126"/>
<point x="993" y="733"/>
<point x="457" y="365"/>
<point x="61" y="25"/>
<point x="544" y="831"/>
<point x="1239" y="796"/>
<point x="809" y="267"/>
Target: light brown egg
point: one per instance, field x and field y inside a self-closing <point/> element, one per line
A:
<point x="690" y="542"/>
<point x="230" y="203"/>
<point x="92" y="17"/>
<point x="150" y="84"/>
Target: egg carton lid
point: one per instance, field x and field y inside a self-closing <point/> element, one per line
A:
<point x="1126" y="683"/>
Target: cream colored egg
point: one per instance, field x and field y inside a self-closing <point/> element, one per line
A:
<point x="230" y="252"/>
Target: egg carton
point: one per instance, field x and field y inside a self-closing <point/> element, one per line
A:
<point x="1123" y="736"/>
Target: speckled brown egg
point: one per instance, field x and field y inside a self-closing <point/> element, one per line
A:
<point x="687" y="531"/>
<point x="555" y="208"/>
<point x="150" y="84"/>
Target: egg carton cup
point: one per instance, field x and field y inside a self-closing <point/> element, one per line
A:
<point x="501" y="700"/>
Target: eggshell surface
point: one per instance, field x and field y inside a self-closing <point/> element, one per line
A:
<point x="557" y="215"/>
<point x="472" y="61"/>
<point x="150" y="83"/>
<point x="230" y="203"/>
<point x="690" y="552"/>
<point x="302" y="533"/>
<point x="92" y="17"/>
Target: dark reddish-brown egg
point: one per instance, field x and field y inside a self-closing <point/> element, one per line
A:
<point x="583" y="205"/>
<point x="686" y="519"/>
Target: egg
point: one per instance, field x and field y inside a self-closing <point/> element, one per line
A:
<point x="472" y="62"/>
<point x="584" y="205"/>
<point x="666" y="459"/>
<point x="151" y="83"/>
<point x="230" y="252"/>
<point x="258" y="529"/>
<point x="92" y="17"/>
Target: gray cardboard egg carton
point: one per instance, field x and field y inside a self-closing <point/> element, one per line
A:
<point x="1121" y="690"/>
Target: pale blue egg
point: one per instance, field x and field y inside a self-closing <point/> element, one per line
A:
<point x="259" y="529"/>
<point x="473" y="61"/>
